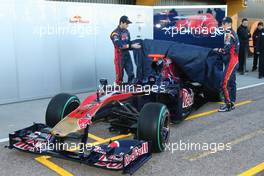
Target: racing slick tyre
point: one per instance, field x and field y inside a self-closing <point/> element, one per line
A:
<point x="153" y="125"/>
<point x="59" y="107"/>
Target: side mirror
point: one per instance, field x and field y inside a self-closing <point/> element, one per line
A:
<point x="103" y="82"/>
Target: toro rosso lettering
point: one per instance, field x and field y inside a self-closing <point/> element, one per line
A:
<point x="24" y="146"/>
<point x="136" y="152"/>
<point x="30" y="144"/>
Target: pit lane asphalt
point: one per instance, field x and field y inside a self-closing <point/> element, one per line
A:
<point x="243" y="128"/>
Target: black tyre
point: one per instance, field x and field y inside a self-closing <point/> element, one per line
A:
<point x="174" y="103"/>
<point x="153" y="125"/>
<point x="59" y="107"/>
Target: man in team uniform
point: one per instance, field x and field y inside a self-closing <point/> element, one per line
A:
<point x="122" y="44"/>
<point x="230" y="55"/>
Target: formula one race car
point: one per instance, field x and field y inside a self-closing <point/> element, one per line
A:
<point x="144" y="110"/>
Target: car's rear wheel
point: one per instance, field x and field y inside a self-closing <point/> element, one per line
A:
<point x="153" y="125"/>
<point x="59" y="107"/>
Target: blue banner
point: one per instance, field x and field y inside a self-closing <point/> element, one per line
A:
<point x="197" y="26"/>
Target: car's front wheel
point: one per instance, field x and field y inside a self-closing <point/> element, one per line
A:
<point x="153" y="125"/>
<point x="59" y="107"/>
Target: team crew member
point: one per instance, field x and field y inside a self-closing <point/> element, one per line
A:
<point x="243" y="35"/>
<point x="230" y="52"/>
<point x="260" y="47"/>
<point x="256" y="37"/>
<point x="121" y="40"/>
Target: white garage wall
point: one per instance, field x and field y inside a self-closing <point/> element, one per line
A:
<point x="76" y="47"/>
<point x="8" y="66"/>
<point x="37" y="57"/>
<point x="42" y="53"/>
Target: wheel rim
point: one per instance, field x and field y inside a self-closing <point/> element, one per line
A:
<point x="165" y="129"/>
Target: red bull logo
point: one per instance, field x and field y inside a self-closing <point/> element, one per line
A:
<point x="78" y="19"/>
<point x="136" y="152"/>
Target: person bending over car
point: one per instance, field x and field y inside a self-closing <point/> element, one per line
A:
<point x="230" y="56"/>
<point x="122" y="44"/>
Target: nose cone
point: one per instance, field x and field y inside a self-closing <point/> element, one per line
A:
<point x="65" y="127"/>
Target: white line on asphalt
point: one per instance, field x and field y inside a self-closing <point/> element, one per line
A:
<point x="250" y="86"/>
<point x="4" y="140"/>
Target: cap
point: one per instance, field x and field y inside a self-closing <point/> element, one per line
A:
<point x="124" y="19"/>
<point x="227" y="20"/>
<point x="244" y="19"/>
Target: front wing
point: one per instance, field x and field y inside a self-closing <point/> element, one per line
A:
<point x="127" y="155"/>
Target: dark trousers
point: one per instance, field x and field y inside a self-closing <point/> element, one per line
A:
<point x="123" y="62"/>
<point x="255" y="61"/>
<point x="261" y="64"/>
<point x="127" y="65"/>
<point x="229" y="82"/>
<point x="243" y="53"/>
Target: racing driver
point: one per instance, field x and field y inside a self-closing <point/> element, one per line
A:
<point x="122" y="44"/>
<point x="230" y="55"/>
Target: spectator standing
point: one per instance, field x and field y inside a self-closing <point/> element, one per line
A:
<point x="256" y="37"/>
<point x="243" y="35"/>
<point x="260" y="49"/>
